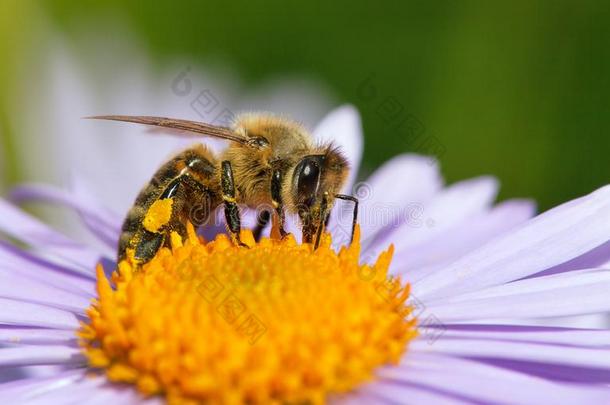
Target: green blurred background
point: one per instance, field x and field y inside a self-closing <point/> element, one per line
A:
<point x="519" y="89"/>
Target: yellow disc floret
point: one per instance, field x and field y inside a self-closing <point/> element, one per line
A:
<point x="278" y="322"/>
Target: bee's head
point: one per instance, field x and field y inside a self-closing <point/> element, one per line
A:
<point x="316" y="179"/>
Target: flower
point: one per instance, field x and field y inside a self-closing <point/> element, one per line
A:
<point x="473" y="277"/>
<point x="272" y="337"/>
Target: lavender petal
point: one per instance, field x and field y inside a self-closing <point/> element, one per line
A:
<point x="100" y="223"/>
<point x="482" y="383"/>
<point x="40" y="355"/>
<point x="15" y="260"/>
<point x="19" y="313"/>
<point x="449" y="208"/>
<point x="531" y="334"/>
<point x="21" y="288"/>
<point x="30" y="230"/>
<point x="419" y="261"/>
<point x="383" y="205"/>
<point x="342" y="127"/>
<point x="551" y="355"/>
<point x="20" y="390"/>
<point x="36" y="336"/>
<point x="574" y="293"/>
<point x="552" y="238"/>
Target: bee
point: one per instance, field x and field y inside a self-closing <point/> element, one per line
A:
<point x="270" y="161"/>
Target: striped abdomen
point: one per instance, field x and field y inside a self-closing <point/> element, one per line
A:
<point x="183" y="189"/>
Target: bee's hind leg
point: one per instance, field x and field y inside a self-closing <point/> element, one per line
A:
<point x="231" y="209"/>
<point x="148" y="241"/>
<point x="186" y="197"/>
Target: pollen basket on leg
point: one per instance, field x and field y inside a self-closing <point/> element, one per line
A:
<point x="276" y="322"/>
<point x="159" y="214"/>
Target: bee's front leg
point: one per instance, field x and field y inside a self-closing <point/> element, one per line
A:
<point x="276" y="198"/>
<point x="231" y="209"/>
<point x="261" y="222"/>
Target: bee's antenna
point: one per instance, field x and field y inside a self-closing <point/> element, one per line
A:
<point x="355" y="218"/>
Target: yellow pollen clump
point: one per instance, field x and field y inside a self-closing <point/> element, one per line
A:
<point x="276" y="323"/>
<point x="159" y="214"/>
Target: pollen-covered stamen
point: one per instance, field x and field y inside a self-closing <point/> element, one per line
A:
<point x="279" y="321"/>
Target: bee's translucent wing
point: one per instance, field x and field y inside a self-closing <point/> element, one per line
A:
<point x="180" y="127"/>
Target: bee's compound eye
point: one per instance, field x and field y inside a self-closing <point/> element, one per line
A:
<point x="308" y="179"/>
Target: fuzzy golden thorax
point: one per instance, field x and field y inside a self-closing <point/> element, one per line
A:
<point x="288" y="143"/>
<point x="253" y="167"/>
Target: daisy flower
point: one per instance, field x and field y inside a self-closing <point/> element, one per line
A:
<point x="433" y="302"/>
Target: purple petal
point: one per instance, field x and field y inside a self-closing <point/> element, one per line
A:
<point x="554" y="237"/>
<point x="40" y="355"/>
<point x="20" y="390"/>
<point x="419" y="261"/>
<point x="531" y="334"/>
<point x="15" y="260"/>
<point x="36" y="336"/>
<point x="390" y="391"/>
<point x="22" y="288"/>
<point x="451" y="207"/>
<point x="383" y="204"/>
<point x="342" y="127"/>
<point x="559" y="373"/>
<point x="84" y="389"/>
<point x="575" y="293"/>
<point x="80" y="188"/>
<point x="102" y="224"/>
<point x="19" y="313"/>
<point x="551" y="355"/>
<point x="481" y="383"/>
<point x="596" y="258"/>
<point x="28" y="229"/>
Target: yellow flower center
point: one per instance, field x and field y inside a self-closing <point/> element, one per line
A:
<point x="279" y="322"/>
